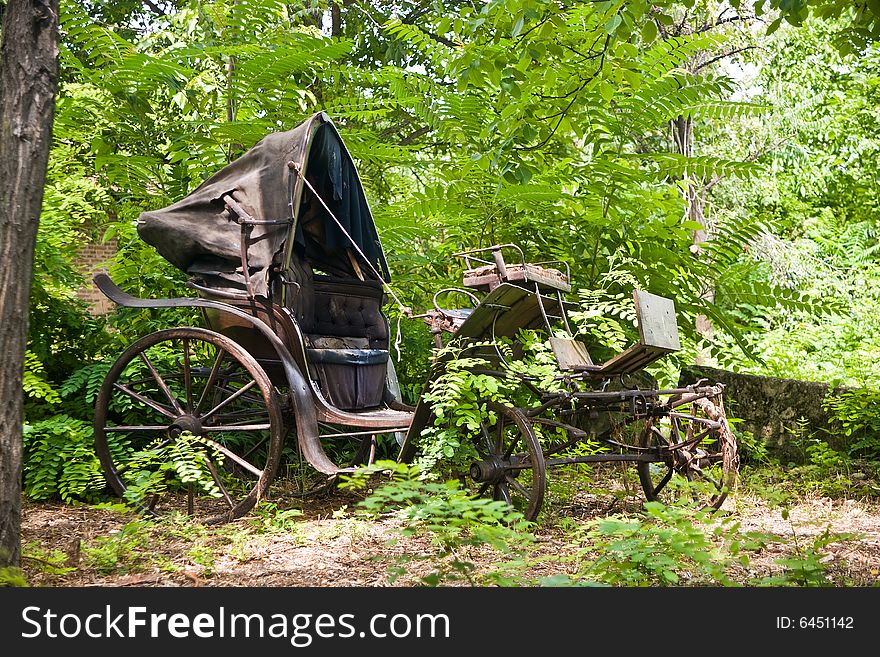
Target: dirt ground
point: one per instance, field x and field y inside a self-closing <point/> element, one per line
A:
<point x="328" y="543"/>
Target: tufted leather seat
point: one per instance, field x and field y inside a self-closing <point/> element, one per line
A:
<point x="349" y="308"/>
<point x="346" y="336"/>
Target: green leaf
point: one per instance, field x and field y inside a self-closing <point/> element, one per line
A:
<point x="649" y="31"/>
<point x="518" y="26"/>
<point x="613" y="23"/>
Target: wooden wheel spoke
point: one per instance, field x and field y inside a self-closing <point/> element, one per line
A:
<point x="156" y="406"/>
<point x="514" y="441"/>
<point x="513" y="481"/>
<point x="487" y="438"/>
<point x="212" y="378"/>
<point x="235" y="458"/>
<point x="187" y="376"/>
<point x="242" y="416"/>
<point x="216" y="477"/>
<point x="659" y="435"/>
<point x="161" y="383"/>
<point x="237" y="427"/>
<point x="706" y="476"/>
<point x="238" y="393"/>
<point x="675" y="432"/>
<point x="499" y="436"/>
<point x="503" y="493"/>
<point x="662" y="484"/>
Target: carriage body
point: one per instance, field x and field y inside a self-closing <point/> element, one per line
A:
<point x="293" y="359"/>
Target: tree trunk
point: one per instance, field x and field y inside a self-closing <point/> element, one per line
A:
<point x="28" y="81"/>
<point x="683" y="136"/>
<point x="234" y="149"/>
<point x="335" y="20"/>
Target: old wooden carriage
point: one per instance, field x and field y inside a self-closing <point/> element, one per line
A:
<point x="289" y="382"/>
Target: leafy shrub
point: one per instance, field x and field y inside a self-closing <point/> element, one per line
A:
<point x="34" y="382"/>
<point x="121" y="552"/>
<point x="667" y="545"/>
<point x="459" y="394"/>
<point x="10" y="576"/>
<point x="856" y="415"/>
<point x="752" y="450"/>
<point x="158" y="468"/>
<point x="60" y="461"/>
<point x="454" y="521"/>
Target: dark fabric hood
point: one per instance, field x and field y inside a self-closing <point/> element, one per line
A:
<point x="199" y="235"/>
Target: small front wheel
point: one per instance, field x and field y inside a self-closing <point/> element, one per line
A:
<point x="511" y="465"/>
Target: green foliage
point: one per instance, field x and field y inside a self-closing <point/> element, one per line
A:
<point x="60" y="461"/>
<point x="855" y="414"/>
<point x="807" y="566"/>
<point x="203" y="556"/>
<point x="681" y="546"/>
<point x="826" y="472"/>
<point x="442" y="511"/>
<point x="272" y="519"/>
<point x="669" y="546"/>
<point x="34" y="382"/>
<point x="10" y="576"/>
<point x="458" y="399"/>
<point x="752" y="450"/>
<point x="180" y="463"/>
<point x="122" y="552"/>
<point x="54" y="562"/>
<point x="468" y="375"/>
<point x="860" y="25"/>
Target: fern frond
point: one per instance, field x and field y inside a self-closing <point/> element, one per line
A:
<point x="419" y="39"/>
<point x="672" y="166"/>
<point x="676" y="51"/>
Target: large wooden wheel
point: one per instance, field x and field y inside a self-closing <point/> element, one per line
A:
<point x="510" y="465"/>
<point x="187" y="421"/>
<point x="699" y="454"/>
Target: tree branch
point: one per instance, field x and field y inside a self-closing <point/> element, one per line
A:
<point x="437" y="37"/>
<point x="751" y="158"/>
<point x="564" y="111"/>
<point x="722" y="21"/>
<point x="156" y="9"/>
<point x="729" y="53"/>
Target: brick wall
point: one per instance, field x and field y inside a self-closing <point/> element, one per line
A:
<point x="93" y="258"/>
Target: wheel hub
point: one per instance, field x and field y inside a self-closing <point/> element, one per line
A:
<point x="489" y="470"/>
<point x="493" y="470"/>
<point x="185" y="423"/>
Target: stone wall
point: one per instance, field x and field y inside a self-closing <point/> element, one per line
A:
<point x="770" y="407"/>
<point x="92" y="258"/>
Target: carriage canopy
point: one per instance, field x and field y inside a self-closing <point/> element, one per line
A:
<point x="202" y="235"/>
